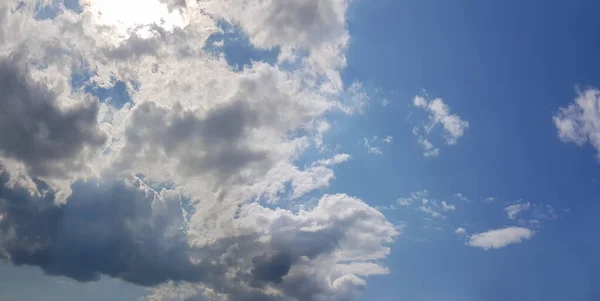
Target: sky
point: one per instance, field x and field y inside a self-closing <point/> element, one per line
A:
<point x="318" y="150"/>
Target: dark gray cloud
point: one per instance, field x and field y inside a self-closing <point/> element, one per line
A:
<point x="302" y="20"/>
<point x="174" y="4"/>
<point x="214" y="143"/>
<point x="271" y="267"/>
<point x="125" y="230"/>
<point x="35" y="130"/>
<point x="104" y="229"/>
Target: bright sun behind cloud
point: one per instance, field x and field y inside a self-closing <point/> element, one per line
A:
<point x="128" y="14"/>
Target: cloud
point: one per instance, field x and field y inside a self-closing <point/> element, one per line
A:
<point x="461" y="197"/>
<point x="429" y="151"/>
<point x="429" y="210"/>
<point x="439" y="113"/>
<point x="355" y="99"/>
<point x="38" y="128"/>
<point x="417" y="196"/>
<point x="489" y="200"/>
<point x="336" y="159"/>
<point x="496" y="239"/>
<point x="123" y="230"/>
<point x="460" y="231"/>
<point x="448" y="207"/>
<point x="579" y="122"/>
<point x="405" y="202"/>
<point x="129" y="231"/>
<point x="374" y="144"/>
<point x="375" y="150"/>
<point x="513" y="210"/>
<point x="178" y="189"/>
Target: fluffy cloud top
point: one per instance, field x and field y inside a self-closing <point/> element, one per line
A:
<point x="579" y="122"/>
<point x="177" y="189"/>
<point x="496" y="239"/>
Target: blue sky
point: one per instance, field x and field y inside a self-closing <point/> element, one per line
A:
<point x="504" y="69"/>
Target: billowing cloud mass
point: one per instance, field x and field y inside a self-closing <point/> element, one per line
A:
<point x="176" y="183"/>
<point x="579" y="122"/>
<point x="439" y="113"/>
<point x="35" y="130"/>
<point x="496" y="239"/>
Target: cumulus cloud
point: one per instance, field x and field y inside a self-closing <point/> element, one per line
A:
<point x="178" y="189"/>
<point x="120" y="229"/>
<point x="127" y="230"/>
<point x="36" y="126"/>
<point x="439" y="114"/>
<point x="579" y="122"/>
<point x="460" y="231"/>
<point x="496" y="239"/>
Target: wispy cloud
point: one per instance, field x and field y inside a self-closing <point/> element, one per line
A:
<point x="513" y="210"/>
<point x="439" y="114"/>
<point x="374" y="144"/>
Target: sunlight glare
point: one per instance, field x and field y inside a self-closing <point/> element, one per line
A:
<point x="127" y="14"/>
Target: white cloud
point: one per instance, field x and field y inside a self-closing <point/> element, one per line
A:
<point x="218" y="44"/>
<point x="460" y="231"/>
<point x="405" y="202"/>
<point x="429" y="151"/>
<point x="375" y="150"/>
<point x="513" y="210"/>
<point x="355" y="99"/>
<point x="439" y="113"/>
<point x="448" y="207"/>
<point x="431" y="211"/>
<point x="374" y="144"/>
<point x="461" y="197"/>
<point x="489" y="200"/>
<point x="421" y="194"/>
<point x="336" y="159"/>
<point x="579" y="122"/>
<point x="385" y="102"/>
<point x="495" y="239"/>
<point x="363" y="269"/>
<point x="544" y="212"/>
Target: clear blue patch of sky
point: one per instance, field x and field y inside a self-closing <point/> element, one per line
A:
<point x="116" y="95"/>
<point x="51" y="11"/>
<point x="237" y="48"/>
<point x="41" y="287"/>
